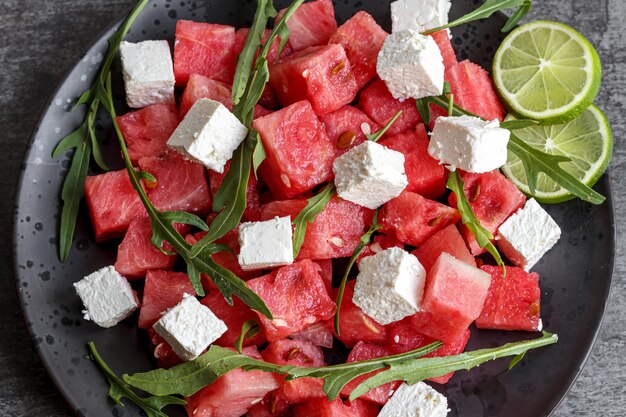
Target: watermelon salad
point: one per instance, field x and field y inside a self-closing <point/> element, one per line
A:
<point x="346" y="166"/>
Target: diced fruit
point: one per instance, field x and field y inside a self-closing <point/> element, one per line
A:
<point x="362" y="38"/>
<point x="513" y="301"/>
<point x="113" y="204"/>
<point x="296" y="296"/>
<point x="474" y="91"/>
<point x="299" y="152"/>
<point x="414" y="218"/>
<point x="378" y="103"/>
<point x="180" y="185"/>
<point x="163" y="290"/>
<point x="327" y="273"/>
<point x="347" y="128"/>
<point x="163" y="352"/>
<point x="354" y="325"/>
<point x="205" y="49"/>
<point x="426" y="176"/>
<point x="252" y="212"/>
<point x="146" y="131"/>
<point x="311" y="25"/>
<point x="320" y="334"/>
<point x="447" y="240"/>
<point x="273" y="405"/>
<point x="493" y="199"/>
<point x="322" y="75"/>
<point x="442" y="38"/>
<point x="324" y="408"/>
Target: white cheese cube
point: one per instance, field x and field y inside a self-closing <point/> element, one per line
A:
<point x="469" y="143"/>
<point x="107" y="297"/>
<point x="527" y="235"/>
<point x="148" y="73"/>
<point x="411" y="65"/>
<point x="420" y="15"/>
<point x="390" y="285"/>
<point x="418" y="400"/>
<point x="189" y="327"/>
<point x="209" y="134"/>
<point x="370" y="175"/>
<point x="266" y="244"/>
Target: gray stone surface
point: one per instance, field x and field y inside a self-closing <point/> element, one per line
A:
<point x="41" y="39"/>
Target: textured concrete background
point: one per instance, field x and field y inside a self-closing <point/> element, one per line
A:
<point x="41" y="39"/>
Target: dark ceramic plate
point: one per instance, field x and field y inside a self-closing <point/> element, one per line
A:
<point x="575" y="276"/>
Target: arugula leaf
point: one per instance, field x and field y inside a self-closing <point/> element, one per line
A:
<point x="365" y="240"/>
<point x="374" y="137"/>
<point x="151" y="405"/>
<point x="249" y="329"/>
<point x="488" y="8"/>
<point x="315" y="205"/>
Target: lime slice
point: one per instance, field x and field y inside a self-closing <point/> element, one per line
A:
<point x="547" y="71"/>
<point x="586" y="140"/>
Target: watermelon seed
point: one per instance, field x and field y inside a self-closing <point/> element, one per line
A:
<point x="366" y="128"/>
<point x="475" y="194"/>
<point x="375" y="247"/>
<point x="435" y="221"/>
<point x="338" y="68"/>
<point x="337" y="241"/>
<point x="368" y="323"/>
<point x="285" y="179"/>
<point x="293" y="353"/>
<point x="346" y="139"/>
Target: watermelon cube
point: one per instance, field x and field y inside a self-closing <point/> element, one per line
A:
<point x="321" y="74"/>
<point x="311" y="25"/>
<point x="474" y="91"/>
<point x="443" y="40"/>
<point x="426" y="176"/>
<point x="180" y="185"/>
<point x="252" y="212"/>
<point x="163" y="352"/>
<point x="163" y="290"/>
<point x="296" y="296"/>
<point x="320" y="334"/>
<point x="380" y="242"/>
<point x="299" y="152"/>
<point x="454" y="297"/>
<point x="493" y="199"/>
<point x="447" y="240"/>
<point x="326" y="266"/>
<point x="513" y="301"/>
<point x="362" y="38"/>
<point x="347" y="128"/>
<point x="324" y="408"/>
<point x="414" y="218"/>
<point x="146" y="131"/>
<point x="273" y="405"/>
<point x="378" y="103"/>
<point x="113" y="204"/>
<point x="205" y="49"/>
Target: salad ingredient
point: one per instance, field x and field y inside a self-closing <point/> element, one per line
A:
<point x="348" y="127"/>
<point x="390" y="285"/>
<point x="337" y="408"/>
<point x="411" y="65"/>
<point x="447" y="240"/>
<point x="415" y="400"/>
<point x="148" y="73"/>
<point x="469" y="143"/>
<point x="314" y="206"/>
<point x="586" y="141"/>
<point x="419" y="16"/>
<point x="353" y="325"/>
<point x="162" y="291"/>
<point x="266" y="244"/>
<point x="527" y="235"/>
<point x="107" y="297"/>
<point x="547" y="71"/>
<point x="370" y="175"/>
<point x="252" y="213"/>
<point x="312" y="24"/>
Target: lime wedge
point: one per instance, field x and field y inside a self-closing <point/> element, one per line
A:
<point x="547" y="71"/>
<point x="586" y="140"/>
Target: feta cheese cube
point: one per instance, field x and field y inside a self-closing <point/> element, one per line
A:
<point x="107" y="297"/>
<point x="209" y="134"/>
<point x="469" y="143"/>
<point x="420" y="15"/>
<point x="370" y="175"/>
<point x="418" y="400"/>
<point x="527" y="235"/>
<point x="390" y="285"/>
<point x="411" y="65"/>
<point x="266" y="244"/>
<point x="148" y="73"/>
<point x="189" y="327"/>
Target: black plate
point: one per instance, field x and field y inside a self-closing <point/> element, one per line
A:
<point x="575" y="276"/>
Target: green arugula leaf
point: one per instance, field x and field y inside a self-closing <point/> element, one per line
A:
<point x="249" y="329"/>
<point x="258" y="156"/>
<point x="374" y="137"/>
<point x="315" y="205"/>
<point x="516" y="360"/>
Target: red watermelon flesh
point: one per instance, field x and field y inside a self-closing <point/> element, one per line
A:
<point x="327" y="273"/>
<point x="273" y="405"/>
<point x="378" y="103"/>
<point x="324" y="408"/>
<point x="426" y="176"/>
<point x="454" y="297"/>
<point x="296" y="296"/>
<point x="474" y="91"/>
<point x="299" y="152"/>
<point x="252" y="212"/>
<point x="181" y="184"/>
<point x="163" y="290"/>
<point x="414" y="218"/>
<point x="513" y="301"/>
<point x="493" y="199"/>
<point x="364" y="351"/>
<point x="113" y="204"/>
<point x="147" y="130"/>
<point x="163" y="352"/>
<point x="311" y="25"/>
<point x="319" y="334"/>
<point x="362" y="38"/>
<point x="447" y="240"/>
<point x="435" y="113"/>
<point x="443" y="40"/>
<point x="234" y="393"/>
<point x="205" y="49"/>
<point x="320" y="74"/>
<point x="347" y="128"/>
